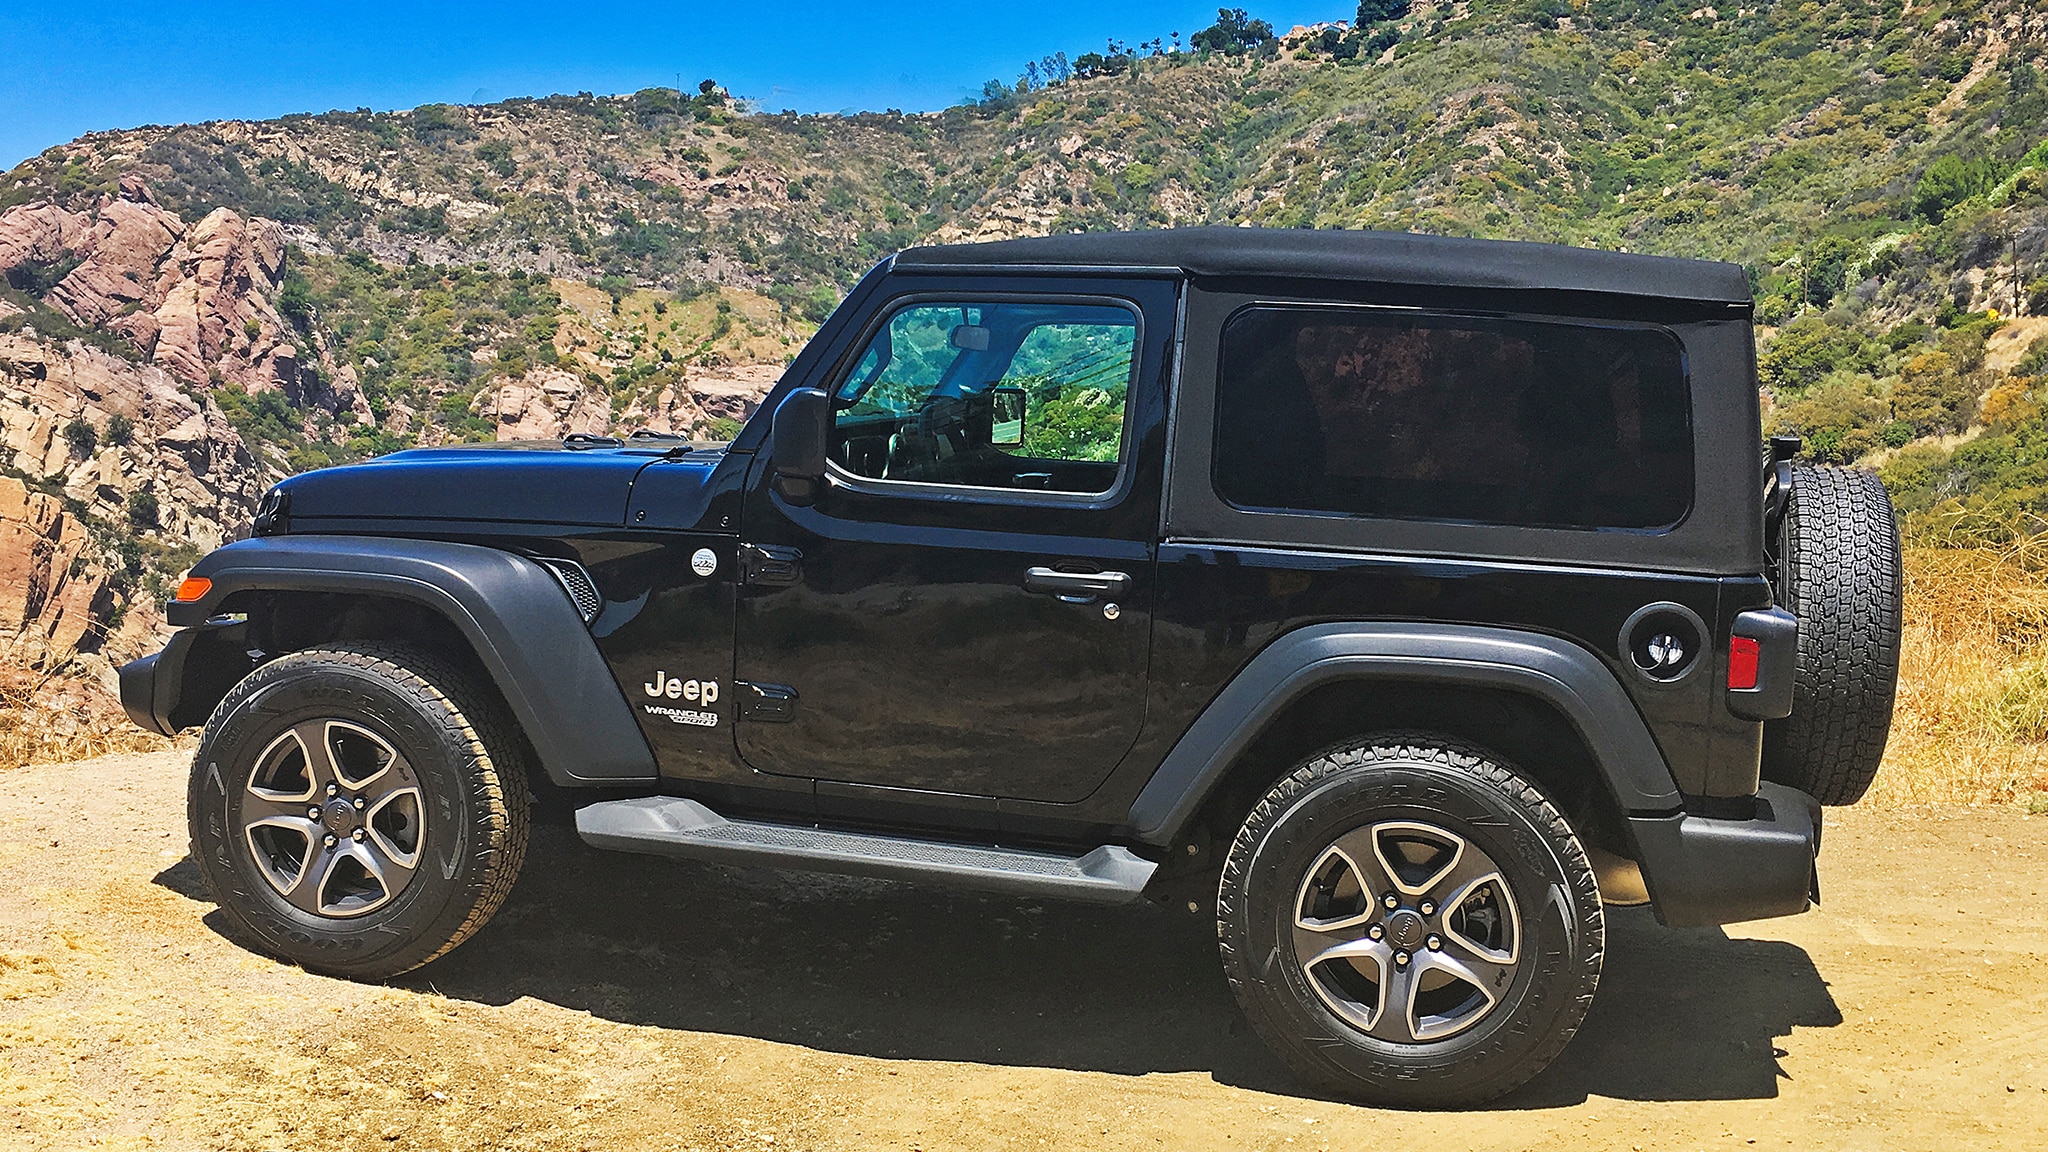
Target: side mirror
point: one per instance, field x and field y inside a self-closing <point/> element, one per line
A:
<point x="1006" y="428"/>
<point x="797" y="439"/>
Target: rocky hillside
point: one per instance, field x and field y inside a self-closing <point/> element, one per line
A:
<point x="190" y="311"/>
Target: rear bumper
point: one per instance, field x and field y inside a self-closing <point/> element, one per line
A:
<point x="1702" y="870"/>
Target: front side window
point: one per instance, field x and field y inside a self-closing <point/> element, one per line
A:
<point x="1017" y="395"/>
<point x="1407" y="416"/>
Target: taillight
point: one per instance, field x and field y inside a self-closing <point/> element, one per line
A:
<point x="1742" y="659"/>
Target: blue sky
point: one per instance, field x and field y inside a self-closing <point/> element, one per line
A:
<point x="66" y="69"/>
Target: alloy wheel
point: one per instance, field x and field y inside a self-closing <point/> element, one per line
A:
<point x="1407" y="932"/>
<point x="334" y="818"/>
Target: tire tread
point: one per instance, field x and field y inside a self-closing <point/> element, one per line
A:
<point x="1842" y="575"/>
<point x="1482" y="767"/>
<point x="494" y="769"/>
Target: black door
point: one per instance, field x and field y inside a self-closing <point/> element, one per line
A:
<point x="965" y="607"/>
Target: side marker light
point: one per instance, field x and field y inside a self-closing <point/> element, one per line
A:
<point x="1742" y="660"/>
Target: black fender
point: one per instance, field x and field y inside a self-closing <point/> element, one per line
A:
<point x="518" y="619"/>
<point x="1558" y="672"/>
<point x="1700" y="869"/>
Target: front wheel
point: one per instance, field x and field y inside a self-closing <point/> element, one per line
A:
<point x="1406" y="921"/>
<point x="359" y="809"/>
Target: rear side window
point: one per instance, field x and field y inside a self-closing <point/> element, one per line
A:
<point x="1410" y="416"/>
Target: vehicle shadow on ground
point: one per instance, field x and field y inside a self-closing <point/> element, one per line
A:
<point x="899" y="972"/>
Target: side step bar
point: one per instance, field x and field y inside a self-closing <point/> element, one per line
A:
<point x="672" y="826"/>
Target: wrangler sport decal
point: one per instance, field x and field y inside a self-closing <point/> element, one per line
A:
<point x="684" y="715"/>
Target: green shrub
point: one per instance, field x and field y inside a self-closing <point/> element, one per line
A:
<point x="497" y="155"/>
<point x="1932" y="395"/>
<point x="142" y="509"/>
<point x="120" y="430"/>
<point x="2034" y="361"/>
<point x="37" y="277"/>
<point x="1806" y="350"/>
<point x="82" y="437"/>
<point x="1841" y="419"/>
<point x="1948" y="182"/>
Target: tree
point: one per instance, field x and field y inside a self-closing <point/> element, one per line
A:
<point x="1806" y="350"/>
<point x="996" y="95"/>
<point x="142" y="509"/>
<point x="1234" y="33"/>
<point x="82" y="437"/>
<point x="1382" y="38"/>
<point x="295" y="302"/>
<point x="1828" y="266"/>
<point x="1114" y="62"/>
<point x="1946" y="183"/>
<point x="1374" y="11"/>
<point x="1841" y="419"/>
<point x="1931" y="395"/>
<point x="120" y="430"/>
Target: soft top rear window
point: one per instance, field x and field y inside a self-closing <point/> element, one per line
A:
<point x="1535" y="423"/>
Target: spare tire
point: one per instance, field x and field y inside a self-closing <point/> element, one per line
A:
<point x="1840" y="571"/>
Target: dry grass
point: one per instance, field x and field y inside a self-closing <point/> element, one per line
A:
<point x="1972" y="720"/>
<point x="56" y="716"/>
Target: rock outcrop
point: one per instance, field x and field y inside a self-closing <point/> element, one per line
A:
<point x="550" y="403"/>
<point x="196" y="300"/>
<point x="53" y="588"/>
<point x="730" y="391"/>
<point x="547" y="404"/>
<point x="178" y="448"/>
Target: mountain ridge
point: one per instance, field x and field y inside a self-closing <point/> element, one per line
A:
<point x="586" y="263"/>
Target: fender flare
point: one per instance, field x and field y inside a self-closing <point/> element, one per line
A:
<point x="1558" y="672"/>
<point x="517" y="617"/>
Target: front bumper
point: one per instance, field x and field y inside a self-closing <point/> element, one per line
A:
<point x="172" y="690"/>
<point x="1702" y="870"/>
<point x="139" y="688"/>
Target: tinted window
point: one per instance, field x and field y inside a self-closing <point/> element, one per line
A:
<point x="998" y="395"/>
<point x="1446" y="418"/>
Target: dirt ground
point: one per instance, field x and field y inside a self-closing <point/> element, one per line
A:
<point x="621" y="1002"/>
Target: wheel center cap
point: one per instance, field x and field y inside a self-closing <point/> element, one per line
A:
<point x="338" y="816"/>
<point x="1404" y="929"/>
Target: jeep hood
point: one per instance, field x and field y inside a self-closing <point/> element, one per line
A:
<point x="539" y="482"/>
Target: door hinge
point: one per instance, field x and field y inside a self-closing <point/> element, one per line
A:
<point x="770" y="564"/>
<point x="767" y="703"/>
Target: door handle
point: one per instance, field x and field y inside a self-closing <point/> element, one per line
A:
<point x="1077" y="587"/>
<point x="769" y="564"/>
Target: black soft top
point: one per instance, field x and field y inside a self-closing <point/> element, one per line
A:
<point x="1382" y="257"/>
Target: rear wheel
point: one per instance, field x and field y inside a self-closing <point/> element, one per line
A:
<point x="358" y="809"/>
<point x="1407" y="921"/>
<point x="1841" y="572"/>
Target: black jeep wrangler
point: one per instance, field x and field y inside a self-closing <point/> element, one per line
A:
<point x="1399" y="601"/>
